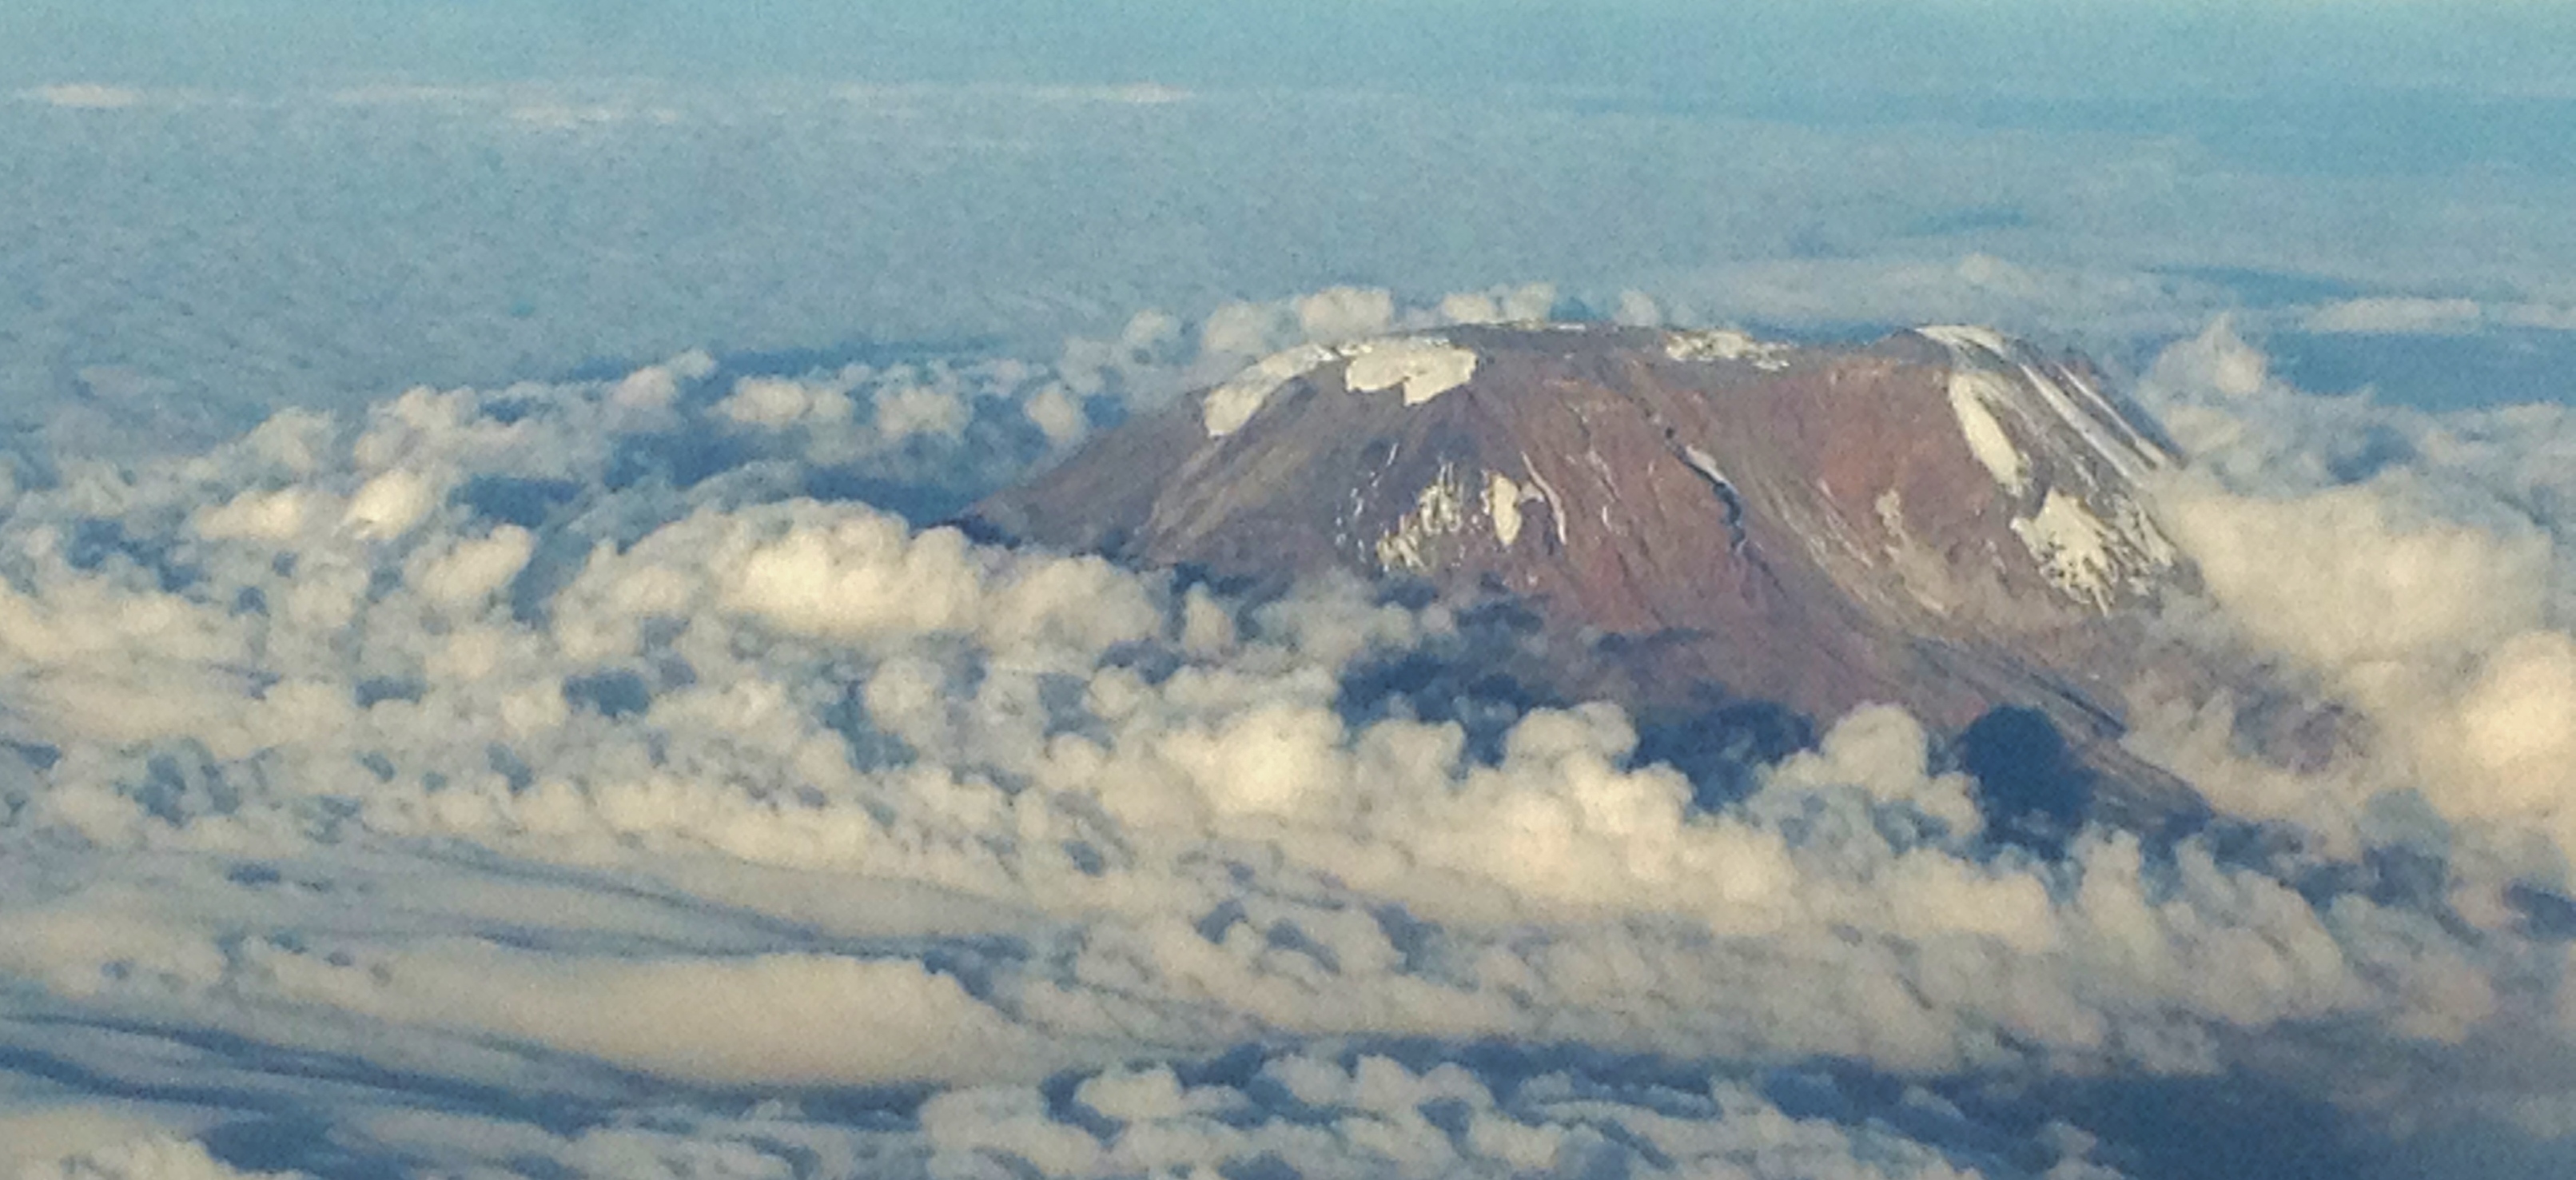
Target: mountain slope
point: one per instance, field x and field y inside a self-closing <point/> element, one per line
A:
<point x="1945" y="519"/>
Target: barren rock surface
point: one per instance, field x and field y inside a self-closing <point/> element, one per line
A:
<point x="1945" y="519"/>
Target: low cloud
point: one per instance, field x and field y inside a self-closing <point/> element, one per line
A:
<point x="2426" y="589"/>
<point x="2398" y="315"/>
<point x="776" y="1018"/>
<point x="146" y="1158"/>
<point x="85" y="96"/>
<point x="559" y="747"/>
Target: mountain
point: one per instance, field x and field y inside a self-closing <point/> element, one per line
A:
<point x="1683" y="521"/>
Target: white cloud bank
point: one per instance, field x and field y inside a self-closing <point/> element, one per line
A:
<point x="549" y="748"/>
<point x="2416" y="564"/>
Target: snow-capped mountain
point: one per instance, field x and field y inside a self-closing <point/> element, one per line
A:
<point x="1946" y="519"/>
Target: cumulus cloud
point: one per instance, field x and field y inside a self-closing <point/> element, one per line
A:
<point x="777" y="1018"/>
<point x="66" y="1139"/>
<point x="625" y="776"/>
<point x="1352" y="1113"/>
<point x="561" y="743"/>
<point x="2405" y="560"/>
<point x="2333" y="579"/>
<point x="151" y="1158"/>
<point x="1373" y="1115"/>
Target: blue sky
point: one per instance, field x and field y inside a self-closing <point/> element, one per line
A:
<point x="2056" y="50"/>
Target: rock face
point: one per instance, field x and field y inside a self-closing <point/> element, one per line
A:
<point x="1945" y="519"/>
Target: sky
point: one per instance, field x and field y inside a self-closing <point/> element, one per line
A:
<point x="1758" y="51"/>
<point x="483" y="691"/>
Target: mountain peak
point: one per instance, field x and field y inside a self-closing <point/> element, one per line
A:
<point x="1947" y="518"/>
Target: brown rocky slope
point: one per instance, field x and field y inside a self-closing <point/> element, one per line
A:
<point x="1945" y="519"/>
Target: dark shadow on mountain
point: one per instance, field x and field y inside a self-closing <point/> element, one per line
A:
<point x="2273" y="849"/>
<point x="1479" y="677"/>
<point x="1722" y="748"/>
<point x="1494" y="670"/>
<point x="921" y="505"/>
<point x="1420" y="686"/>
<point x="979" y="530"/>
<point x="2032" y="790"/>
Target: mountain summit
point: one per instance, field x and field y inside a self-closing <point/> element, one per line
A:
<point x="1945" y="519"/>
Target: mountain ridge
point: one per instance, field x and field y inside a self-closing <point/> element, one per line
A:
<point x="1945" y="519"/>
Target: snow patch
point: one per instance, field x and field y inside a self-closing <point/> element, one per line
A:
<point x="1547" y="492"/>
<point x="1972" y="394"/>
<point x="2072" y="545"/>
<point x="1957" y="337"/>
<point x="1439" y="510"/>
<point x="2091" y="537"/>
<point x="1702" y="462"/>
<point x="1425" y="366"/>
<point x="1503" y="507"/>
<point x="2087" y="557"/>
<point x="1724" y="344"/>
<point x="1925" y="574"/>
<point x="1227" y="407"/>
<point x="1992" y="374"/>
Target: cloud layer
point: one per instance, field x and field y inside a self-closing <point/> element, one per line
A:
<point x="382" y="230"/>
<point x="589" y="764"/>
<point x="589" y="773"/>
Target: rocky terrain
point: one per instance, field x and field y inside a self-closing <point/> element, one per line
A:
<point x="1692" y="522"/>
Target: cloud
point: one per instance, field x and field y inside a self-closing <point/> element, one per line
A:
<point x="565" y="117"/>
<point x="1373" y="1115"/>
<point x="1146" y="94"/>
<point x="85" y="96"/>
<point x="601" y="766"/>
<point x="778" y="1018"/>
<point x="2333" y="579"/>
<point x="2424" y="591"/>
<point x="69" y="1140"/>
<point x="594" y="767"/>
<point x="150" y="1158"/>
<point x="376" y="262"/>
<point x="2398" y="315"/>
<point x="1321" y="1113"/>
